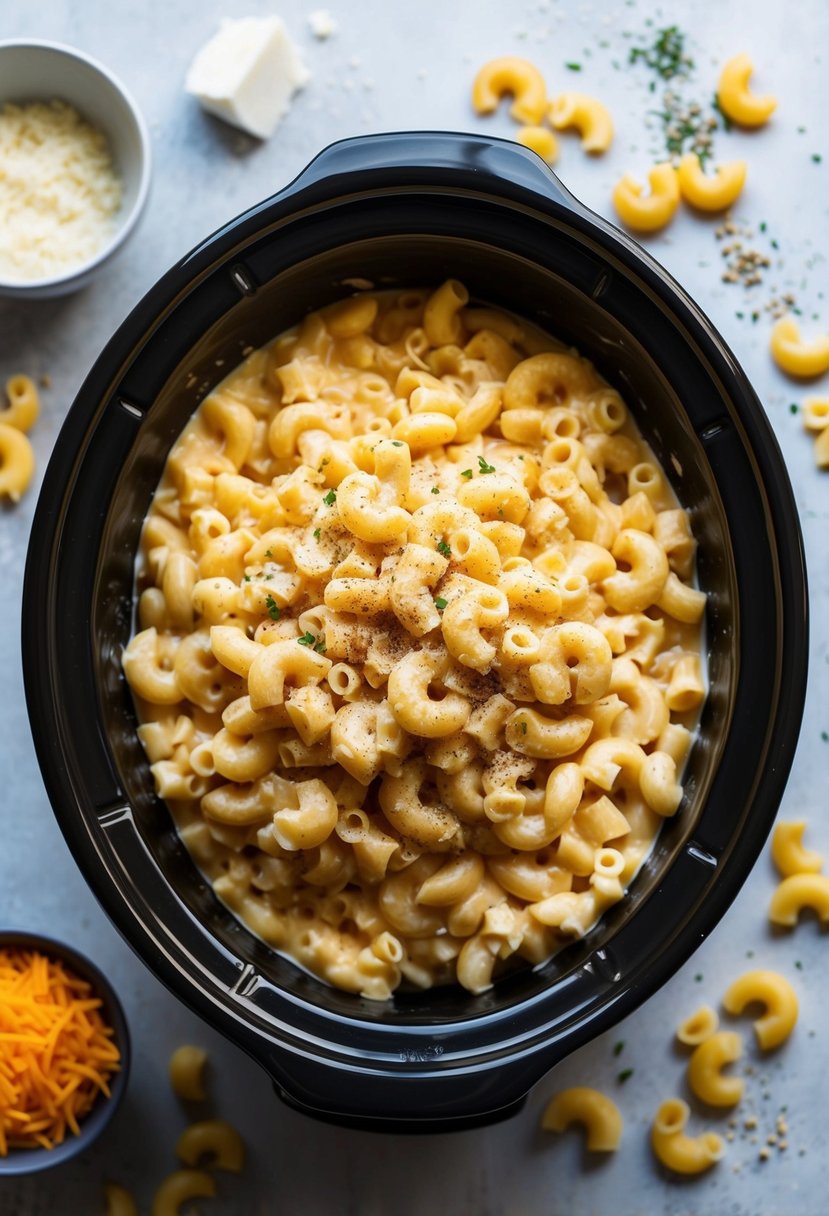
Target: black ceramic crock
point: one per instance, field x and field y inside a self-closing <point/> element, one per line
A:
<point x="408" y="210"/>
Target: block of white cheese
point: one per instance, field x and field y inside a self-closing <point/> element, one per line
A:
<point x="247" y="74"/>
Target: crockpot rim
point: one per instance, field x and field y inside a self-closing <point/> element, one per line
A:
<point x="229" y="243"/>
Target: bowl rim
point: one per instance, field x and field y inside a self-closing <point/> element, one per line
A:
<point x="128" y="221"/>
<point x="19" y="1162"/>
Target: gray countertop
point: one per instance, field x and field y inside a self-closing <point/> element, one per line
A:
<point x="394" y="66"/>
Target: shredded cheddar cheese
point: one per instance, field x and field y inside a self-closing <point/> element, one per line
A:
<point x="56" y="1051"/>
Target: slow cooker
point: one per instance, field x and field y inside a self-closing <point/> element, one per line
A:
<point x="411" y="210"/>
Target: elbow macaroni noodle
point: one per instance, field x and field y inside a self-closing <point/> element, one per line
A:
<point x="187" y="1064"/>
<point x="17" y="459"/>
<point x="788" y="852"/>
<point x="215" y="1139"/>
<point x="587" y="115"/>
<point x="706" y="1079"/>
<point x="674" y="1148"/>
<point x="735" y="98"/>
<point x="417" y="656"/>
<point x="599" y="1116"/>
<point x="778" y="999"/>
<point x="796" y="356"/>
<point x="510" y="74"/>
<point x="648" y="213"/>
<point x="178" y="1188"/>
<point x="710" y="193"/>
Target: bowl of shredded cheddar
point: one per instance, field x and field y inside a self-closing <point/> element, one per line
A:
<point x="64" y="1052"/>
<point x="392" y="623"/>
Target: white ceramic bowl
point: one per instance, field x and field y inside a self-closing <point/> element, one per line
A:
<point x="42" y="71"/>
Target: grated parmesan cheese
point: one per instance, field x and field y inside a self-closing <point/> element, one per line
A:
<point x="59" y="193"/>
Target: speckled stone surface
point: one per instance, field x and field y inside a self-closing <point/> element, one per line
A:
<point x="396" y="66"/>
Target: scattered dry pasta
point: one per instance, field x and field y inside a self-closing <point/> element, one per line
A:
<point x="797" y="892"/>
<point x="598" y="1115"/>
<point x="714" y="192"/>
<point x="17" y="460"/>
<point x="648" y="212"/>
<point x="57" y="1054"/>
<point x="418" y="651"/>
<point x="186" y="1068"/>
<point x="795" y="355"/>
<point x="515" y="76"/>
<point x="789" y="853"/>
<point x="674" y="1148"/>
<point x="735" y="98"/>
<point x="706" y="1078"/>
<point x="119" y="1202"/>
<point x="541" y="141"/>
<point x="778" y="998"/>
<point x="177" y="1188"/>
<point x="698" y="1027"/>
<point x="589" y="116"/>
<point x="815" y="415"/>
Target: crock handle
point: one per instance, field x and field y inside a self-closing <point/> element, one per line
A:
<point x="428" y="1099"/>
<point x="497" y="166"/>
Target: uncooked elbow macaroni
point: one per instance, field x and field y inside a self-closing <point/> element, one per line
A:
<point x="17" y="459"/>
<point x="648" y="212"/>
<point x="540" y="140"/>
<point x="778" y="998"/>
<point x="713" y="192"/>
<point x="519" y="77"/>
<point x="735" y="98"/>
<point x="674" y="1148"/>
<point x="797" y="356"/>
<point x="706" y="1078"/>
<point x="186" y="1068"/>
<point x="178" y="1188"/>
<point x="788" y="852"/>
<point x="589" y="116"/>
<point x="215" y="1139"/>
<point x="418" y="655"/>
<point x="599" y="1116"/>
<point x="698" y="1027"/>
<point x="119" y="1201"/>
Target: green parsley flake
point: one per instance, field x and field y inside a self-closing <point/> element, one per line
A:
<point x="435" y="490"/>
<point x="443" y="548"/>
<point x="307" y="639"/>
<point x="440" y="603"/>
<point x="624" y="1075"/>
<point x="397" y="443"/>
<point x="317" y="533"/>
<point x="667" y="54"/>
<point x="274" y="611"/>
<point x="618" y="1048"/>
<point x="484" y="467"/>
<point x="523" y="726"/>
<point x="330" y="498"/>
<point x="466" y="473"/>
<point x="573" y="67"/>
<point x="793" y="408"/>
<point x="246" y="577"/>
<point x="817" y="158"/>
<point x="268" y="553"/>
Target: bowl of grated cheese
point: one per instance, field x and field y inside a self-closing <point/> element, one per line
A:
<point x="76" y="168"/>
<point x="64" y="1052"/>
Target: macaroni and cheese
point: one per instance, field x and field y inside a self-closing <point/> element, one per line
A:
<point x="418" y="646"/>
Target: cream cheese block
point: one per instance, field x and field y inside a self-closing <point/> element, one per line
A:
<point x="247" y="74"/>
